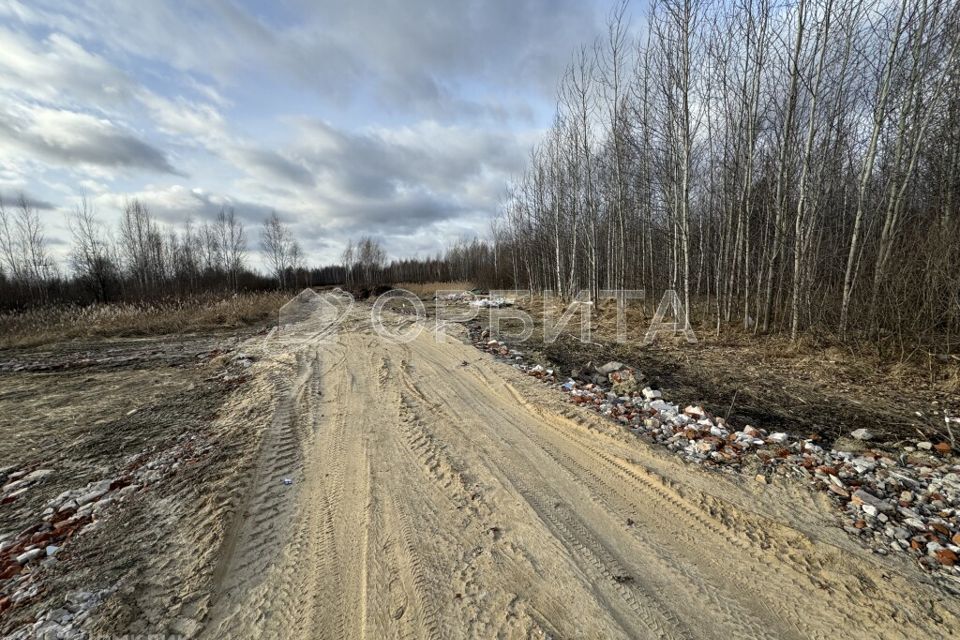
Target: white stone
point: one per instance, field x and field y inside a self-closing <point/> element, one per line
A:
<point x="39" y="474"/>
<point x="663" y="407"/>
<point x="915" y="523"/>
<point x="90" y="497"/>
<point x="610" y="367"/>
<point x="27" y="556"/>
<point x="694" y="411"/>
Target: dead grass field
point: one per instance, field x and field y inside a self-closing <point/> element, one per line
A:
<point x="56" y="323"/>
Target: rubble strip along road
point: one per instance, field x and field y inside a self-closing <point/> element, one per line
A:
<point x="437" y="493"/>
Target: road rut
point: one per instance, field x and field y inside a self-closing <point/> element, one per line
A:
<point x="440" y="494"/>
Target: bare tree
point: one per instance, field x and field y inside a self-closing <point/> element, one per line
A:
<point x="140" y="244"/>
<point x="90" y="255"/>
<point x="23" y="248"/>
<point x="232" y="245"/>
<point x="10" y="246"/>
<point x="277" y="243"/>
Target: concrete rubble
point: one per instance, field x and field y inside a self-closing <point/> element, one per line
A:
<point x="24" y="555"/>
<point x="490" y="303"/>
<point x="904" y="500"/>
<point x="65" y="622"/>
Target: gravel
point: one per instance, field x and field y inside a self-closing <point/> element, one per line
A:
<point x="902" y="497"/>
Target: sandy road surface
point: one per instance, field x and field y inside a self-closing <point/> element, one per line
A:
<point x="438" y="494"/>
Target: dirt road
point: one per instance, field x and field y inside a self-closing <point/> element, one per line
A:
<point x="438" y="494"/>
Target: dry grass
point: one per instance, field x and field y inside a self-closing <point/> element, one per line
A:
<point x="429" y="289"/>
<point x="951" y="382"/>
<point x="812" y="356"/>
<point x="55" y="323"/>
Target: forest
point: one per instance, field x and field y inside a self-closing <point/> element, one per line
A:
<point x="786" y="168"/>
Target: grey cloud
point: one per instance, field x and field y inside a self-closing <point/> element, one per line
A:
<point x="403" y="180"/>
<point x="411" y="55"/>
<point x="176" y="204"/>
<point x="275" y="165"/>
<point x="400" y="216"/>
<point x="12" y="199"/>
<point x="415" y="53"/>
<point x="378" y="163"/>
<point x="69" y="137"/>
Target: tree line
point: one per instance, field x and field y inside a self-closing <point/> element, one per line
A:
<point x="785" y="167"/>
<point x="142" y="258"/>
<point x="139" y="258"/>
<point x="365" y="263"/>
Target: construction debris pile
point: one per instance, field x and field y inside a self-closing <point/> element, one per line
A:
<point x="906" y="500"/>
<point x="490" y="303"/>
<point x="25" y="554"/>
<point x="455" y="296"/>
<point x="474" y="299"/>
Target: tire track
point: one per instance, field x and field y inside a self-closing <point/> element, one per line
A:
<point x="438" y="495"/>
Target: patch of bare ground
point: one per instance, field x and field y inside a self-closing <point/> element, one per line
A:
<point x="439" y="493"/>
<point x="161" y="416"/>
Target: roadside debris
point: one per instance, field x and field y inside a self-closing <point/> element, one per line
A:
<point x="456" y="296"/>
<point x="490" y="303"/>
<point x="905" y="500"/>
<point x="24" y="554"/>
<point x="65" y="621"/>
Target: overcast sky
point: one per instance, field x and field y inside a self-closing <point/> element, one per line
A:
<point x="399" y="118"/>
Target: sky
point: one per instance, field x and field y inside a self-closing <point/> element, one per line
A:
<point x="400" y="119"/>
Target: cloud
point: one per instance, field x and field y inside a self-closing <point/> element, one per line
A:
<point x="396" y="179"/>
<point x="12" y="199"/>
<point x="273" y="165"/>
<point x="428" y="57"/>
<point x="180" y="116"/>
<point x="69" y="137"/>
<point x="58" y="68"/>
<point x="176" y="203"/>
<point x="402" y="119"/>
<point x="413" y="55"/>
<point x="379" y="162"/>
<point x="403" y="214"/>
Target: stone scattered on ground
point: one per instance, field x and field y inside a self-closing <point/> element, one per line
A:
<point x="65" y="622"/>
<point x="906" y="500"/>
<point x="490" y="303"/>
<point x="24" y="554"/>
